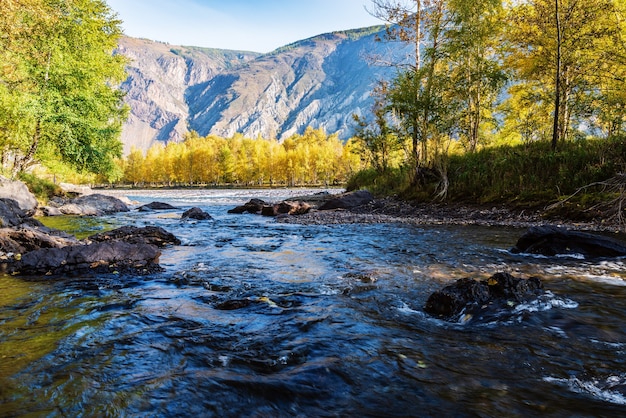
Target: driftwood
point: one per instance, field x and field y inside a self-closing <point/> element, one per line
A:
<point x="614" y="208"/>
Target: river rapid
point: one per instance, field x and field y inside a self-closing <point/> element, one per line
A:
<point x="256" y="318"/>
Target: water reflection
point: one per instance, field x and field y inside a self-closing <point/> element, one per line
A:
<point x="254" y="318"/>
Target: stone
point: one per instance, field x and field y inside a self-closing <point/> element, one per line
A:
<point x="292" y="208"/>
<point x="114" y="256"/>
<point x="75" y="190"/>
<point x="153" y="235"/>
<point x="50" y="211"/>
<point x="553" y="240"/>
<point x="156" y="206"/>
<point x="18" y="191"/>
<point x="29" y="238"/>
<point x="348" y="200"/>
<point x="93" y="205"/>
<point x="196" y="213"/>
<point x="471" y="297"/>
<point x="252" y="206"/>
<point x="11" y="214"/>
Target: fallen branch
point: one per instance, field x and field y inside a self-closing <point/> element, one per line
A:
<point x="616" y="186"/>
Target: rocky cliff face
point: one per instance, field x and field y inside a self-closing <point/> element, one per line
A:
<point x="318" y="82"/>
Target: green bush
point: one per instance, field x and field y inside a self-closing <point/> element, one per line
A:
<point x="41" y="188"/>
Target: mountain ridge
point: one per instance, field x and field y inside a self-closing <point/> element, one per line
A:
<point x="319" y="82"/>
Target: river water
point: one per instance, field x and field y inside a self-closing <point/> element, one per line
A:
<point x="262" y="319"/>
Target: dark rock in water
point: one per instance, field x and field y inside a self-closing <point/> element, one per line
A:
<point x="196" y="213"/>
<point x="471" y="296"/>
<point x="153" y="235"/>
<point x="156" y="206"/>
<point x="348" y="200"/>
<point x="552" y="240"/>
<point x="100" y="257"/>
<point x="253" y="206"/>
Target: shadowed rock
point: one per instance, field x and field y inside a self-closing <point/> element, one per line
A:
<point x="348" y="200"/>
<point x="126" y="249"/>
<point x="552" y="240"/>
<point x="10" y="213"/>
<point x="100" y="257"/>
<point x="470" y="296"/>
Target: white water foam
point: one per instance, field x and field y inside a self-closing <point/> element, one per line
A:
<point x="546" y="302"/>
<point x="602" y="390"/>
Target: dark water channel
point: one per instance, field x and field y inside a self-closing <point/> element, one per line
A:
<point x="255" y="318"/>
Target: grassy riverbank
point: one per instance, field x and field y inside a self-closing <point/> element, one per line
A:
<point x="528" y="175"/>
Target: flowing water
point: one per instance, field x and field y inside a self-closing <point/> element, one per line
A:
<point x="257" y="318"/>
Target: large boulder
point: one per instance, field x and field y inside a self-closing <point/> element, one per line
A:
<point x="114" y="256"/>
<point x="42" y="251"/>
<point x="93" y="205"/>
<point x="553" y="240"/>
<point x="17" y="190"/>
<point x="348" y="200"/>
<point x="152" y="235"/>
<point x="27" y="238"/>
<point x="197" y="214"/>
<point x="471" y="297"/>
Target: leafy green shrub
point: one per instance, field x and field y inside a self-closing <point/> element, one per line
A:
<point x="41" y="188"/>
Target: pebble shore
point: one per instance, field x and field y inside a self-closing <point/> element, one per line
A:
<point x="394" y="211"/>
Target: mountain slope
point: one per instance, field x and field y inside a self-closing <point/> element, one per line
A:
<point x="158" y="78"/>
<point x="318" y="82"/>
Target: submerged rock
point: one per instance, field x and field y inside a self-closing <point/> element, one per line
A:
<point x="553" y="240"/>
<point x="196" y="213"/>
<point x="469" y="296"/>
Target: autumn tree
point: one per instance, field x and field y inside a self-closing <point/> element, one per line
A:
<point x="566" y="49"/>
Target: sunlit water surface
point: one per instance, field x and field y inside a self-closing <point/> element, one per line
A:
<point x="257" y="318"/>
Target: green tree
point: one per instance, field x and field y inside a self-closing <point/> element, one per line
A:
<point x="59" y="78"/>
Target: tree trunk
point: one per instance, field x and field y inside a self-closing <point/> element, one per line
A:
<point x="557" y="82"/>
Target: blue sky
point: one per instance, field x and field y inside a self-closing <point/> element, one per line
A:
<point x="253" y="25"/>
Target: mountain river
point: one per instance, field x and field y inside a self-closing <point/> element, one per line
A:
<point x="256" y="318"/>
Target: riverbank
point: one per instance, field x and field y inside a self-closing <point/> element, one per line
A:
<point x="390" y="210"/>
